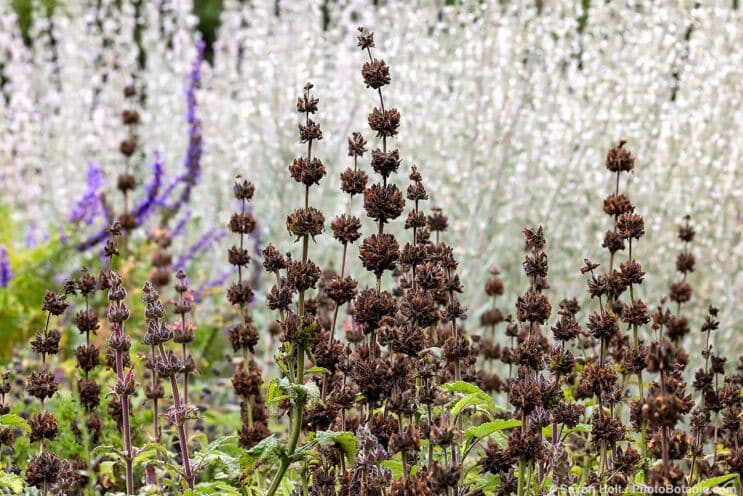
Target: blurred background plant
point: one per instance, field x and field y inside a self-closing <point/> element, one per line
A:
<point x="509" y="107"/>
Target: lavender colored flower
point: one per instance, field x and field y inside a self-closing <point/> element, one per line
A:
<point x="88" y="206"/>
<point x="156" y="195"/>
<point x="6" y="274"/>
<point x="192" y="160"/>
<point x="142" y="211"/>
<point x="147" y="205"/>
<point x="34" y="236"/>
<point x="216" y="282"/>
<point x="180" y="225"/>
<point x="92" y="241"/>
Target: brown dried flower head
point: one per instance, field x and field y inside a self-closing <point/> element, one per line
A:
<point x="307" y="171"/>
<point x="356" y="145"/>
<point x="305" y="222"/>
<point x="376" y="74"/>
<point x="619" y="159"/>
<point x="630" y="225"/>
<point x="365" y="38"/>
<point x="243" y="189"/>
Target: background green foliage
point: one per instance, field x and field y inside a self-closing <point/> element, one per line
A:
<point x="20" y="303"/>
<point x="206" y="10"/>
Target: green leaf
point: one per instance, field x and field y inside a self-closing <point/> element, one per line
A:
<point x="500" y="439"/>
<point x="217" y="445"/>
<point x="208" y="488"/>
<point x="13" y="420"/>
<point x="395" y="467"/>
<point x="546" y="483"/>
<point x="487" y="428"/>
<point x="105" y="450"/>
<point x="316" y="370"/>
<point x="478" y="399"/>
<point x="474" y="397"/>
<point x="346" y="441"/>
<point x="460" y="387"/>
<point x="277" y="391"/>
<point x="268" y="449"/>
<point x="106" y="471"/>
<point x="149" y="452"/>
<point x="713" y="482"/>
<point x="585" y="428"/>
<point x="567" y="394"/>
<point x="12" y="482"/>
<point x="213" y="453"/>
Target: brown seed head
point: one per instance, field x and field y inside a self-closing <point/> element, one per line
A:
<point x="356" y="145"/>
<point x="619" y="159"/>
<point x="376" y="74"/>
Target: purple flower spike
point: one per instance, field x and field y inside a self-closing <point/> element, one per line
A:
<point x="149" y="202"/>
<point x="180" y="225"/>
<point x="6" y="274"/>
<point x="88" y="207"/>
<point x="218" y="281"/>
<point x="192" y="160"/>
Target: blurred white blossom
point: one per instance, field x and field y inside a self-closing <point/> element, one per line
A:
<point x="507" y="111"/>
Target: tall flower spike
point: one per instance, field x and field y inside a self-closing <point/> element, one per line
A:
<point x="346" y="229"/>
<point x="300" y="330"/>
<point x="119" y="344"/>
<point x="169" y="365"/>
<point x="126" y="182"/>
<point x="46" y="468"/>
<point x="246" y="378"/>
<point x="87" y="355"/>
<point x="383" y="202"/>
<point x="627" y="226"/>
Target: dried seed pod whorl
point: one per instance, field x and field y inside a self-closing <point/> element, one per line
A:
<point x="126" y="181"/>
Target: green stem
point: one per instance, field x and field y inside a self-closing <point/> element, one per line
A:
<point x="279" y="475"/>
<point x="520" y="488"/>
<point x="298" y="410"/>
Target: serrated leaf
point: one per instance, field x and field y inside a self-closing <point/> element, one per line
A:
<point x="217" y="444"/>
<point x="474" y="396"/>
<point x="487" y="428"/>
<point x="461" y="387"/>
<point x="213" y="453"/>
<point x="276" y="387"/>
<point x="268" y="449"/>
<point x="105" y="450"/>
<point x="12" y="482"/>
<point x="395" y="467"/>
<point x="500" y="439"/>
<point x="699" y="487"/>
<point x="149" y="452"/>
<point x="478" y="399"/>
<point x="208" y="488"/>
<point x="278" y="391"/>
<point x="13" y="420"/>
<point x="346" y="441"/>
<point x="316" y="370"/>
